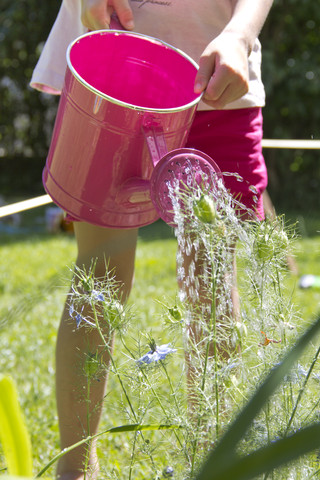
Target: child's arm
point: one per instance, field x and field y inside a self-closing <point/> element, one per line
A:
<point x="248" y="19"/>
<point x="95" y="14"/>
<point x="223" y="72"/>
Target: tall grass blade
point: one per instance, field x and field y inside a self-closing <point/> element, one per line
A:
<point x="13" y="432"/>
<point x="224" y="453"/>
<point x="271" y="456"/>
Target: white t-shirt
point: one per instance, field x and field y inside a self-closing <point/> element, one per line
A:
<point x="177" y="22"/>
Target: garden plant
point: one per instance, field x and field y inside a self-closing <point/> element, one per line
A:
<point x="247" y="406"/>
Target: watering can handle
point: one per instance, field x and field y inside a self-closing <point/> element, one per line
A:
<point x="156" y="142"/>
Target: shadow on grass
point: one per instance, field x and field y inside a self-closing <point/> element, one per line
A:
<point x="25" y="302"/>
<point x="156" y="231"/>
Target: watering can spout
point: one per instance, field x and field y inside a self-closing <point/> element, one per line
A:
<point x="177" y="170"/>
<point x="181" y="170"/>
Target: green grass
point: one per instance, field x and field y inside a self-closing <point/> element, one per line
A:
<point x="34" y="277"/>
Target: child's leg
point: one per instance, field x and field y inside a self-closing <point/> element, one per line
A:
<point x="117" y="248"/>
<point x="232" y="138"/>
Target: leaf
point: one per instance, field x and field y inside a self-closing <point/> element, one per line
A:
<point x="272" y="456"/>
<point x="13" y="432"/>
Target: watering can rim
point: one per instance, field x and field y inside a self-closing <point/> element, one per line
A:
<point x="119" y="102"/>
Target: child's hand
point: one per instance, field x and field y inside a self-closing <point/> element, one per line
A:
<point x="96" y="14"/>
<point x="223" y="71"/>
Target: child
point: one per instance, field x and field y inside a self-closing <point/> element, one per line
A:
<point x="221" y="36"/>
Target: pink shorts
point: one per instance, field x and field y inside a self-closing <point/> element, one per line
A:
<point x="232" y="138"/>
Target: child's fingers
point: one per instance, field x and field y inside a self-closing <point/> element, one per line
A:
<point x="95" y="15"/>
<point x="124" y="13"/>
<point x="225" y="86"/>
<point x="206" y="69"/>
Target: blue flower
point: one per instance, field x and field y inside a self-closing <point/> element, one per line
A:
<point x="168" y="472"/>
<point x="97" y="296"/>
<point x="78" y="317"/>
<point x="71" y="310"/>
<point x="156" y="354"/>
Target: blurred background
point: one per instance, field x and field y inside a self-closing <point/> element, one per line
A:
<point x="291" y="73"/>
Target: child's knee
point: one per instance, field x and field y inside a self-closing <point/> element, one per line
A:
<point x="110" y="251"/>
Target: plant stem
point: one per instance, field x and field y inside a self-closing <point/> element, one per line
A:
<point x="301" y="391"/>
<point x="88" y="427"/>
<point x="114" y="366"/>
<point x="116" y="371"/>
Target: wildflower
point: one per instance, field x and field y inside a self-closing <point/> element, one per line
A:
<point x="71" y="310"/>
<point x="73" y="314"/>
<point x="98" y="296"/>
<point x="168" y="472"/>
<point x="156" y="353"/>
<point x="78" y="317"/>
<point x="267" y="340"/>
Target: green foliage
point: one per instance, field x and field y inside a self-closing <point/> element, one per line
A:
<point x="291" y="72"/>
<point x="26" y="117"/>
<point x="291" y="68"/>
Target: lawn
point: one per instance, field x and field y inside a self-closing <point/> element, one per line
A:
<point x="34" y="277"/>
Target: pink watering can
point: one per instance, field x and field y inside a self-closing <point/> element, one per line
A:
<point x="124" y="115"/>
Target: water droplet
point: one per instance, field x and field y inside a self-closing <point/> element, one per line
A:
<point x="238" y="177"/>
<point x="253" y="189"/>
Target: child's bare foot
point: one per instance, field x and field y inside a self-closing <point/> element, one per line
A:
<point x="70" y="476"/>
<point x="75" y="466"/>
<point x="92" y="470"/>
<point x="76" y="475"/>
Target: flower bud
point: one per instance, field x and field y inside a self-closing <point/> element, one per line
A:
<point x="281" y="240"/>
<point x="175" y="313"/>
<point x="91" y="365"/>
<point x="205" y="209"/>
<point x="265" y="248"/>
